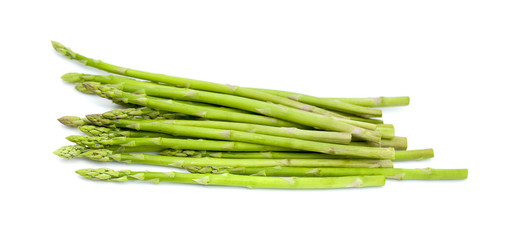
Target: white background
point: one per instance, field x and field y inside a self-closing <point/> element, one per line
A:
<point x="453" y="58"/>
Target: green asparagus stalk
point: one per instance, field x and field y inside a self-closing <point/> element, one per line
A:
<point x="197" y="84"/>
<point x="328" y="123"/>
<point x="391" y="173"/>
<point x="194" y="144"/>
<point x="409" y="155"/>
<point x="376" y="101"/>
<point x="363" y="102"/>
<point x="399" y="155"/>
<point x="180" y="107"/>
<point x="326" y="103"/>
<point x="96" y="131"/>
<point x="249" y="137"/>
<point x="105" y="174"/>
<point x="105" y="155"/>
<point x="73" y="151"/>
<point x="143" y="112"/>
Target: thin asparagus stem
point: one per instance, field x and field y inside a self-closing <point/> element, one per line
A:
<point x="105" y="174"/>
<point x="326" y="103"/>
<point x="96" y="131"/>
<point x="391" y="173"/>
<point x="105" y="155"/>
<point x="194" y="144"/>
<point x="376" y="101"/>
<point x="399" y="156"/>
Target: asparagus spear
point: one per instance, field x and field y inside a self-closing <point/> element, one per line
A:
<point x="391" y="173"/>
<point x="180" y="107"/>
<point x="141" y="158"/>
<point x="143" y="112"/>
<point x="328" y="123"/>
<point x="399" y="155"/>
<point x="376" y="101"/>
<point x="163" y="143"/>
<point x="326" y="103"/>
<point x="194" y="84"/>
<point x="249" y="137"/>
<point x="105" y="174"/>
<point x="73" y="151"/>
<point x="96" y="131"/>
<point x="233" y="102"/>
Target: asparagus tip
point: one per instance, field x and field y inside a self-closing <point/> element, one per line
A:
<point x="80" y="87"/>
<point x="63" y="50"/>
<point x="104" y="174"/>
<point x="72" y="77"/>
<point x="72" y="121"/>
<point x="70" y="151"/>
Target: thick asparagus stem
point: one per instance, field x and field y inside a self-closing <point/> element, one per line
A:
<point x="249" y="137"/>
<point x="391" y="173"/>
<point x="233" y="102"/>
<point x="211" y="145"/>
<point x="399" y="156"/>
<point x="105" y="174"/>
<point x="141" y="158"/>
<point x="188" y="83"/>
<point x="376" y="101"/>
<point x="326" y="103"/>
<point x="325" y="122"/>
<point x="180" y="107"/>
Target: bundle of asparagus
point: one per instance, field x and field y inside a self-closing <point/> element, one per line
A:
<point x="237" y="136"/>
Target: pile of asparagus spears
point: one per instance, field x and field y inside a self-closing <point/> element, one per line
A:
<point x="236" y="136"/>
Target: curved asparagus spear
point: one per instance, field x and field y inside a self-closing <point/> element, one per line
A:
<point x="180" y="107"/>
<point x="141" y="158"/>
<point x="105" y="174"/>
<point x="399" y="155"/>
<point x="190" y="83"/>
<point x="330" y="104"/>
<point x="211" y="145"/>
<point x="391" y="173"/>
<point x="249" y="137"/>
<point x="293" y="115"/>
<point x="233" y="102"/>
